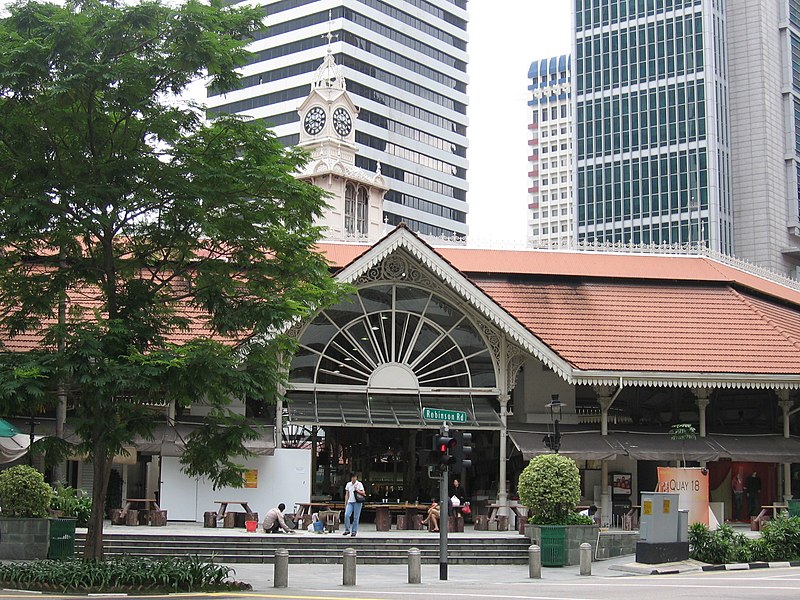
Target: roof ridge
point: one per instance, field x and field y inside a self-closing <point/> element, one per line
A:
<point x="749" y="302"/>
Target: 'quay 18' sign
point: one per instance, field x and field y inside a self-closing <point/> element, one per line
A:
<point x="438" y="414"/>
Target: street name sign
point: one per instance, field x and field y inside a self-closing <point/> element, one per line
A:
<point x="438" y="414"/>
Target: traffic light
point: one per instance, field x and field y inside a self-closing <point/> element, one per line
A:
<point x="443" y="446"/>
<point x="462" y="451"/>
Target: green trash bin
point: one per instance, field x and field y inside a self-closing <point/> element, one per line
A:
<point x="794" y="508"/>
<point x="62" y="539"/>
<point x="554" y="545"/>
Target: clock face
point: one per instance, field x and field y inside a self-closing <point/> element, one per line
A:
<point x="314" y="121"/>
<point x="342" y="122"/>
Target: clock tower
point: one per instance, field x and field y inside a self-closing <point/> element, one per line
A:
<point x="328" y="118"/>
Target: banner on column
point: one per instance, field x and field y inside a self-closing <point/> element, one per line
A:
<point x="691" y="485"/>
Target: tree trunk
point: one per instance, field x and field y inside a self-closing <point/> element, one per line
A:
<point x="101" y="467"/>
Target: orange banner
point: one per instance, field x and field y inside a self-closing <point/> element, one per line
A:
<point x="691" y="485"/>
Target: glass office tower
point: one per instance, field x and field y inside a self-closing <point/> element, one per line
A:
<point x="405" y="66"/>
<point x="651" y="122"/>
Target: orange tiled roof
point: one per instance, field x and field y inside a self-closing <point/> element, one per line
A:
<point x="83" y="297"/>
<point x="636" y="312"/>
<point x="669" y="327"/>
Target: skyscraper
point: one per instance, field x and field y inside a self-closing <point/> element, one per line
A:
<point x="763" y="54"/>
<point x="550" y="208"/>
<point x="405" y="65"/>
<point x="688" y="125"/>
<point x="652" y="122"/>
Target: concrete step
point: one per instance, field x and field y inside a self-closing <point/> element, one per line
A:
<point x="317" y="549"/>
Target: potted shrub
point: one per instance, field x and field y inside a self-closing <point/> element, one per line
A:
<point x="24" y="503"/>
<point x="550" y="487"/>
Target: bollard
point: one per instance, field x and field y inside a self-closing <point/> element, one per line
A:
<point x="534" y="562"/>
<point x="586" y="559"/>
<point x="349" y="566"/>
<point x="281" y="568"/>
<point x="414" y="566"/>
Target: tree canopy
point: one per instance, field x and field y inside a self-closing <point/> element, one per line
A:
<point x="550" y="486"/>
<point x="148" y="256"/>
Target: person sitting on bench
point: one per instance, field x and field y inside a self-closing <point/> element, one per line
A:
<point x="274" y="522"/>
<point x="432" y="520"/>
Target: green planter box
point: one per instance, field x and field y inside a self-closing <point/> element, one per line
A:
<point x="62" y="539"/>
<point x="574" y="536"/>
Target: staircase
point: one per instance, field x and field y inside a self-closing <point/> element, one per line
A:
<point x="323" y="548"/>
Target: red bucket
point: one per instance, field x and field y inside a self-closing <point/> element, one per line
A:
<point x="251" y="526"/>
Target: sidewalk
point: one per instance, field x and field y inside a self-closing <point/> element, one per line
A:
<point x="380" y="578"/>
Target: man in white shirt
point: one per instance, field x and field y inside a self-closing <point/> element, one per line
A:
<point x="352" y="492"/>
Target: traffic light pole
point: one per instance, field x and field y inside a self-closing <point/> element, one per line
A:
<point x="444" y="484"/>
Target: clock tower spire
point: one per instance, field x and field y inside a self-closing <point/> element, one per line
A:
<point x="328" y="118"/>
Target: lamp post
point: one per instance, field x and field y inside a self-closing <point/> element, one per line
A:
<point x="554" y="441"/>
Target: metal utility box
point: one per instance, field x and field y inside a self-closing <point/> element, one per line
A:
<point x="663" y="529"/>
<point x="659" y="521"/>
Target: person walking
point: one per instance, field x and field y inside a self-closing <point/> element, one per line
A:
<point x="354" y="495"/>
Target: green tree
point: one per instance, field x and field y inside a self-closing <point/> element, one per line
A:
<point x="550" y="486"/>
<point x="156" y="225"/>
<point x="683" y="432"/>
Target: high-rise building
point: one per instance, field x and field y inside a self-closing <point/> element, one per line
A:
<point x="405" y="65"/>
<point x="651" y="122"/>
<point x="763" y="53"/>
<point x="550" y="199"/>
<point x="688" y="125"/>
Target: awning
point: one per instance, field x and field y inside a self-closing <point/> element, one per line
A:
<point x="580" y="445"/>
<point x="7" y="430"/>
<point x="590" y="445"/>
<point x="661" y="446"/>
<point x="170" y="440"/>
<point x="759" y="448"/>
<point x="14" y="447"/>
<point x="386" y="410"/>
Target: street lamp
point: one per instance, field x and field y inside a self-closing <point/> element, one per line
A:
<point x="554" y="441"/>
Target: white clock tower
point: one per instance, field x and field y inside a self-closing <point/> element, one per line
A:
<point x="328" y="118"/>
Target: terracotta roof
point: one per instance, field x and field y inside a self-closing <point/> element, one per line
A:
<point x="667" y="327"/>
<point x="89" y="302"/>
<point x="636" y="312"/>
<point x="585" y="265"/>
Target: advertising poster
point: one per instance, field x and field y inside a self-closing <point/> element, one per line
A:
<point x="691" y="484"/>
<point x="251" y="478"/>
<point x="621" y="483"/>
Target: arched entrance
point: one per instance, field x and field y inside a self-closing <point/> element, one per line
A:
<point x="366" y="367"/>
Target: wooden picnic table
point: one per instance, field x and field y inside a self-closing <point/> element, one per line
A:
<point x="223" y="507"/>
<point x="149" y="504"/>
<point x="771" y="507"/>
<point x="303" y="509"/>
<point x="382" y="510"/>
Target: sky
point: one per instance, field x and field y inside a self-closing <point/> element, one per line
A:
<point x="503" y="41"/>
